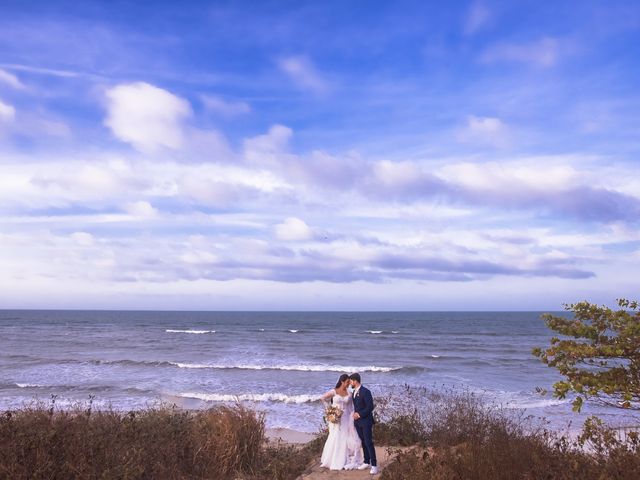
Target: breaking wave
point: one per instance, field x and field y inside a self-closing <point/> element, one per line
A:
<point x="197" y="332"/>
<point x="295" y="368"/>
<point x="252" y="397"/>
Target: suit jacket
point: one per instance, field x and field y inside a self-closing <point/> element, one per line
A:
<point x="363" y="405"/>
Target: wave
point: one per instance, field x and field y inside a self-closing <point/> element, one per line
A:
<point x="252" y="397"/>
<point x="241" y="366"/>
<point x="246" y="366"/>
<point x="135" y="363"/>
<point x="374" y="332"/>
<point x="536" y="403"/>
<point x="294" y="331"/>
<point x="295" y="368"/>
<point x="197" y="332"/>
<point x="88" y="388"/>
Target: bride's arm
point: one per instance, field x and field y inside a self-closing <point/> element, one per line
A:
<point x="326" y="398"/>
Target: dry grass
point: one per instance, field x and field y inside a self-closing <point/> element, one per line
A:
<point x="40" y="442"/>
<point x="461" y="437"/>
<point x="456" y="436"/>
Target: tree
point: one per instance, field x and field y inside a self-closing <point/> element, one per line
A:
<point x="602" y="361"/>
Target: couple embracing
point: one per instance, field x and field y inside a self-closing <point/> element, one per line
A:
<point x="350" y="417"/>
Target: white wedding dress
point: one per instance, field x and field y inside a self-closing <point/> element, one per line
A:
<point x="343" y="449"/>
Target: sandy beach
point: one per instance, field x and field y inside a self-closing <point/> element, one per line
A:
<point x="288" y="435"/>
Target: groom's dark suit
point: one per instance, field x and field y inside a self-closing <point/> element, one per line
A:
<point x="363" y="405"/>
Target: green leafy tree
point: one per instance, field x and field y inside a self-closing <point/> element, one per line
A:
<point x="601" y="358"/>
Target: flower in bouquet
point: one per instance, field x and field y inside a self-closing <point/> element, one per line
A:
<point x="333" y="414"/>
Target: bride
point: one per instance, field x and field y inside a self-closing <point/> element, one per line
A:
<point x="343" y="449"/>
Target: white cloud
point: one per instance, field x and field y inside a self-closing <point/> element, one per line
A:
<point x="544" y="52"/>
<point x="219" y="105"/>
<point x="506" y="176"/>
<point x="304" y="74"/>
<point x="485" y="130"/>
<point x="293" y="229"/>
<point x="10" y="79"/>
<point x="394" y="173"/>
<point x="7" y="112"/>
<point x="110" y="183"/>
<point x="141" y="209"/>
<point x="268" y="147"/>
<point x="82" y="238"/>
<point x="477" y="17"/>
<point x="148" y="117"/>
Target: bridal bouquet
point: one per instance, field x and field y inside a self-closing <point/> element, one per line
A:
<point x="333" y="414"/>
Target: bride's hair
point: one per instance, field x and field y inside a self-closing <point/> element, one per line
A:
<point x="342" y="378"/>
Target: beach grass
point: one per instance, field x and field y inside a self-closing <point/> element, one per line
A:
<point x="433" y="435"/>
<point x="161" y="442"/>
<point x="460" y="435"/>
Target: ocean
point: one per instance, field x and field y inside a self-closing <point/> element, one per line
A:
<point x="277" y="362"/>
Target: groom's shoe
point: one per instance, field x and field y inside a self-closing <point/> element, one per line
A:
<point x="364" y="466"/>
<point x="374" y="471"/>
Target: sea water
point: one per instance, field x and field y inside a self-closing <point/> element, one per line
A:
<point x="277" y="362"/>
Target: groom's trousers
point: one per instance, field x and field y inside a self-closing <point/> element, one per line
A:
<point x="365" y="432"/>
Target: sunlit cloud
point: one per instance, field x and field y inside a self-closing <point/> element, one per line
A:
<point x="146" y="116"/>
<point x="7" y="112"/>
<point x="485" y="130"/>
<point x="11" y="80"/>
<point x="293" y="229"/>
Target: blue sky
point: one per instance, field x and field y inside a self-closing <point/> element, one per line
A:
<point x="319" y="155"/>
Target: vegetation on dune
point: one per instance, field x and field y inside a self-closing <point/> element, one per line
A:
<point x="457" y="435"/>
<point x="599" y="355"/>
<point x="435" y="435"/>
<point x="228" y="442"/>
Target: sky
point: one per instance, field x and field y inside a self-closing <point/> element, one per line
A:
<point x="334" y="155"/>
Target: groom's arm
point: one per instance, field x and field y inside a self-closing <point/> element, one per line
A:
<point x="368" y="404"/>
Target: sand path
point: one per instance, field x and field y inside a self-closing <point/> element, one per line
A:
<point x="315" y="472"/>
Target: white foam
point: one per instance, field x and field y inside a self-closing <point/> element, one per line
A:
<point x="536" y="403"/>
<point x="294" y="331"/>
<point x="28" y="385"/>
<point x="435" y="356"/>
<point x="252" y="397"/>
<point x="261" y="329"/>
<point x="197" y="332"/>
<point x="375" y="332"/>
<point x="297" y="368"/>
<point x="394" y="331"/>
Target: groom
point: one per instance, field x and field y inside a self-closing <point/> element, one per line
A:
<point x="363" y="421"/>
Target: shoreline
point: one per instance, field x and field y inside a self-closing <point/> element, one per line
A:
<point x="288" y="435"/>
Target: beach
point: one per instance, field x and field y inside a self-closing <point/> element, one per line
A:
<point x="288" y="436"/>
